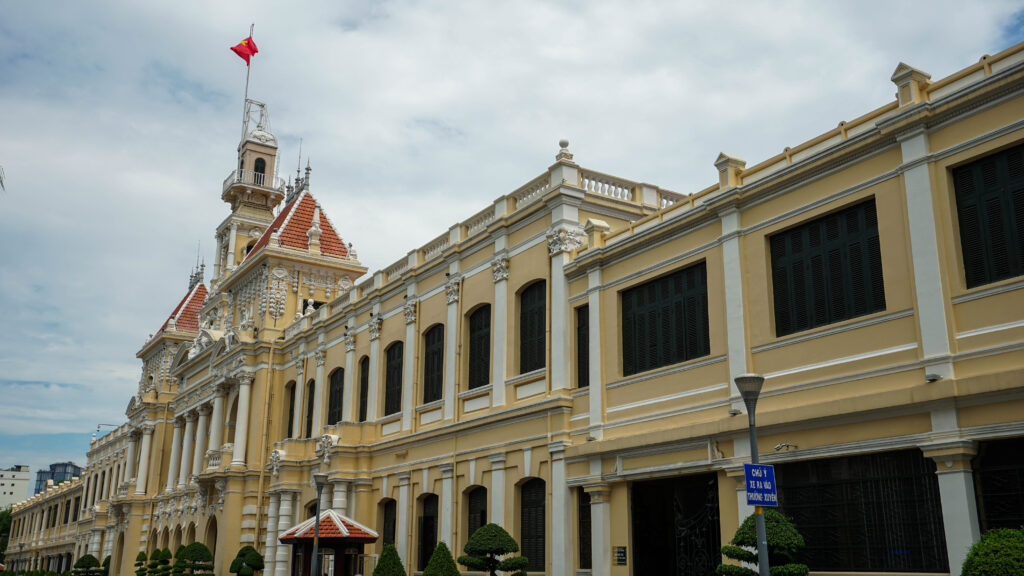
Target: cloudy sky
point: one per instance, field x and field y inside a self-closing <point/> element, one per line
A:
<point x="119" y="121"/>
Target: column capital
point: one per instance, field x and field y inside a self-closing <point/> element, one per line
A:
<point x="321" y="358"/>
<point x="205" y="410"/>
<point x="497" y="459"/>
<point x="446" y="468"/>
<point x="245" y="379"/>
<point x="375" y="325"/>
<point x="403" y="478"/>
<point x="409" y="310"/>
<point x="190" y="416"/>
<point x="499" y="268"/>
<point x="451" y="288"/>
<point x="599" y="493"/>
<point x="221" y="390"/>
<point x="565" y="238"/>
<point x="350" y="342"/>
<point x="147" y="429"/>
<point x="557" y="449"/>
<point x="951" y="455"/>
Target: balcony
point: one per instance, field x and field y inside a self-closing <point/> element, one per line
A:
<point x="255" y="180"/>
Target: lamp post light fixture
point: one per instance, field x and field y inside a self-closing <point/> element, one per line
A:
<point x="749" y="386"/>
<point x="319" y="479"/>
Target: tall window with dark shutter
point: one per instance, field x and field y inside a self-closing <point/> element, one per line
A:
<point x="476" y="508"/>
<point x="290" y="398"/>
<point x="480" y="347"/>
<point x="990" y="210"/>
<point x="364" y="386"/>
<point x="665" y="321"/>
<point x="532" y="325"/>
<point x="433" y="363"/>
<point x="583" y="346"/>
<point x="389" y="513"/>
<point x="583" y="528"/>
<point x="393" y="379"/>
<point x="334" y="405"/>
<point x="310" y="406"/>
<point x="427" y="530"/>
<point x="827" y="270"/>
<point x="532" y="520"/>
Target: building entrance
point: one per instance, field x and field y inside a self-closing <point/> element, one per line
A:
<point x="675" y="526"/>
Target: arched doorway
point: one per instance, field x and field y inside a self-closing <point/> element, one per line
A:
<point x="176" y="540"/>
<point x="115" y="560"/>
<point x="165" y="539"/>
<point x="190" y="533"/>
<point x="153" y="543"/>
<point x="210" y="538"/>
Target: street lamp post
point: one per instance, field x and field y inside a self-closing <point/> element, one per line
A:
<point x="320" y="479"/>
<point x="749" y="386"/>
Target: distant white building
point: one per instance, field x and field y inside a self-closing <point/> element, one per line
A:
<point x="13" y="485"/>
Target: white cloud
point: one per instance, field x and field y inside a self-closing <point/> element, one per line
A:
<point x="120" y="121"/>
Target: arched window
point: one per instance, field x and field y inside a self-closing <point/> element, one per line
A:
<point x="393" y="379"/>
<point x="427" y="529"/>
<point x="532" y="324"/>
<point x="334" y="405"/>
<point x="364" y="386"/>
<point x="259" y="168"/>
<point x="389" y="513"/>
<point x="476" y="508"/>
<point x="532" y="523"/>
<point x="310" y="406"/>
<point x="480" y="347"/>
<point x="433" y="363"/>
<point x="289" y="396"/>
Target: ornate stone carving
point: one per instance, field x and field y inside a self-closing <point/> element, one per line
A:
<point x="565" y="239"/>
<point x="300" y="369"/>
<point x="278" y="295"/>
<point x="221" y="485"/>
<point x="324" y="446"/>
<point x="499" y="267"/>
<point x="350" y="342"/>
<point x="275" y="462"/>
<point x="375" y="325"/>
<point x="321" y="358"/>
<point x="451" y="289"/>
<point x="410" y="311"/>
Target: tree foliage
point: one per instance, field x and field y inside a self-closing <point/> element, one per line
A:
<point x="441" y="562"/>
<point x="784" y="545"/>
<point x="246" y="562"/>
<point x="1000" y="552"/>
<point x="87" y="565"/>
<point x="194" y="560"/>
<point x="5" y="530"/>
<point x="487" y="546"/>
<point x="160" y="562"/>
<point x="105" y="567"/>
<point x="141" y="568"/>
<point x="389" y="564"/>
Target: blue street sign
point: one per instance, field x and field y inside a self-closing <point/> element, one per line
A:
<point x="760" y="480"/>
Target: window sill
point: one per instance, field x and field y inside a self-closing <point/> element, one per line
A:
<point x="390" y="418"/>
<point x="830" y="329"/>
<point x="992" y="289"/>
<point x="430" y="405"/>
<point x="531" y="376"/>
<point x="478" y="391"/>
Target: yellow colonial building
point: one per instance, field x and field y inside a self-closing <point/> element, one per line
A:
<point x="563" y="362"/>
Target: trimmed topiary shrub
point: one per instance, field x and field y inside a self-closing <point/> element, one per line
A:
<point x="141" y="569"/>
<point x="441" y="562"/>
<point x="389" y="564"/>
<point x="105" y="567"/>
<point x="246" y="562"/>
<point x="784" y="543"/>
<point x="485" y="548"/>
<point x="1000" y="552"/>
<point x="194" y="559"/>
<point x="87" y="565"/>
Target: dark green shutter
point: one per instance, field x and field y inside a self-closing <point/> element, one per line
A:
<point x="427" y="530"/>
<point x="291" y="410"/>
<point x="390" y="517"/>
<point x="532" y="522"/>
<point x="532" y="325"/>
<point x="477" y="510"/>
<point x="827" y="270"/>
<point x="480" y="347"/>
<point x="665" y="321"/>
<point x="364" y="386"/>
<point x="433" y="363"/>
<point x="583" y="529"/>
<point x="310" y="406"/>
<point x="583" y="346"/>
<point x="990" y="210"/>
<point x="336" y="394"/>
<point x="393" y="379"/>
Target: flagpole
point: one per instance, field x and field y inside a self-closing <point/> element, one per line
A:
<point x="245" y="100"/>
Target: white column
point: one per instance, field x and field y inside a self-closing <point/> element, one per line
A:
<point x="175" y="461"/>
<point x="349" y="395"/>
<point x="561" y="544"/>
<point x="741" y="451"/>
<point x="318" y="394"/>
<point x="596" y="383"/>
<point x="283" y="553"/>
<point x="956" y="492"/>
<point x="199" y="452"/>
<point x="187" y="444"/>
<point x="559" y="370"/>
<point x="499" y="325"/>
<point x="447" y="503"/>
<point x="924" y="247"/>
<point x="372" y="413"/>
<point x="94" y="536"/>
<point x="270" y="548"/>
<point x="402" y="527"/>
<point x="231" y="245"/>
<point x="451" y="339"/>
<point x="409" y="368"/>
<point x="147" y="442"/>
<point x="496" y="510"/>
<point x="325" y="497"/>
<point x="600" y="529"/>
<point x="217" y="418"/>
<point x="339" y="496"/>
<point x="734" y="316"/>
<point x="242" y="421"/>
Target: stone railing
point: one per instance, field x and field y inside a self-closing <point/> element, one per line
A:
<point x="213" y="459"/>
<point x="666" y="198"/>
<point x="435" y="247"/>
<point x="605" y="185"/>
<point x="254" y="179"/>
<point x="479" y="221"/>
<point x="396" y="269"/>
<point x="533" y="190"/>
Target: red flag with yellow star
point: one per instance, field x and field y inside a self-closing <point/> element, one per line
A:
<point x="245" y="49"/>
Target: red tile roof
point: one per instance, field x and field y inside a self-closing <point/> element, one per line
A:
<point x="186" y="313"/>
<point x="332" y="525"/>
<point x="295" y="220"/>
